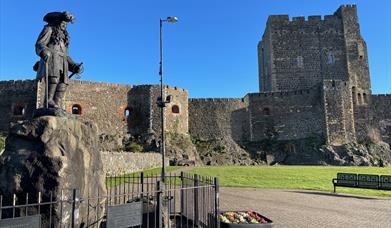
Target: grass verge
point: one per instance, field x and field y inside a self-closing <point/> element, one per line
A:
<point x="291" y="177"/>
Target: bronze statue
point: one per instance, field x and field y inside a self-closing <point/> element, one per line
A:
<point x="52" y="46"/>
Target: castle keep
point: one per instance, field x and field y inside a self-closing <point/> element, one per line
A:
<point x="313" y="80"/>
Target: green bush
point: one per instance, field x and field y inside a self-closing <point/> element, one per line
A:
<point x="135" y="147"/>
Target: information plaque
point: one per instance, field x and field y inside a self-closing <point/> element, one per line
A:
<point x="125" y="215"/>
<point x="22" y="222"/>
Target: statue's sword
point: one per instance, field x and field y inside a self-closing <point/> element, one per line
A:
<point x="47" y="84"/>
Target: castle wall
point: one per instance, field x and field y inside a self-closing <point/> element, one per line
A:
<point x="119" y="163"/>
<point x="102" y="103"/>
<point x="285" y="115"/>
<point x="216" y="118"/>
<point x="338" y="112"/>
<point x="380" y="110"/>
<point x="176" y="118"/>
<point x="381" y="106"/>
<point x="302" y="52"/>
<point x="17" y="101"/>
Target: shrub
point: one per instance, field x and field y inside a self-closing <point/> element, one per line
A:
<point x="135" y="147"/>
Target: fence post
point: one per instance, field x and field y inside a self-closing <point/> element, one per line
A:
<point x="196" y="209"/>
<point x="159" y="204"/>
<point x="216" y="185"/>
<point x="142" y="182"/>
<point x="75" y="208"/>
<point x="182" y="194"/>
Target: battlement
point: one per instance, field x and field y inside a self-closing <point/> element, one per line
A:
<point x="147" y="86"/>
<point x="381" y="95"/>
<point x="348" y="6"/>
<point x="20" y="85"/>
<point x="301" y="20"/>
<point x="16" y="82"/>
<point x="216" y="100"/>
<point x="101" y="84"/>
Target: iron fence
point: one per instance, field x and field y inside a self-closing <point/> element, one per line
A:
<point x="140" y="200"/>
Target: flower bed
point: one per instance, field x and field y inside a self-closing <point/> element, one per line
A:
<point x="237" y="219"/>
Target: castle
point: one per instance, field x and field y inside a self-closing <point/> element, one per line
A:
<point x="313" y="80"/>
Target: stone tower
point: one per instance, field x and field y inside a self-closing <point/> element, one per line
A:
<point x="298" y="54"/>
<point x="329" y="53"/>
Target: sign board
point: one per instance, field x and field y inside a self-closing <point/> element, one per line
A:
<point x="22" y="222"/>
<point x="368" y="180"/>
<point x="346" y="179"/>
<point x="125" y="215"/>
<point x="385" y="182"/>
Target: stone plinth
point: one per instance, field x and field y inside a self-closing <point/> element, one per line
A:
<point x="52" y="154"/>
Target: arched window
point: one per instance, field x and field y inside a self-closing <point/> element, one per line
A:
<point x="266" y="111"/>
<point x="18" y="110"/>
<point x="359" y="101"/>
<point x="76" y="109"/>
<point x="330" y="59"/>
<point x="300" y="61"/>
<point x="175" y="109"/>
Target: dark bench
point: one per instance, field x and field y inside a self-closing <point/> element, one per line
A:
<point x="370" y="181"/>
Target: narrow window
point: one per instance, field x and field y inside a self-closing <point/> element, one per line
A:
<point x="175" y="109"/>
<point x="76" y="109"/>
<point x="358" y="98"/>
<point x="19" y="110"/>
<point x="360" y="50"/>
<point x="365" y="99"/>
<point x="127" y="112"/>
<point x="300" y="61"/>
<point x="330" y="59"/>
<point x="354" y="98"/>
<point x="266" y="111"/>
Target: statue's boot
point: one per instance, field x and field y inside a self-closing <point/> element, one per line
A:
<point x="51" y="92"/>
<point x="60" y="94"/>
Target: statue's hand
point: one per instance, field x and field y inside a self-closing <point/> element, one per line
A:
<point x="78" y="68"/>
<point x="45" y="55"/>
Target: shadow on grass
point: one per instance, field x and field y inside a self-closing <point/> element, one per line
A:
<point x="337" y="195"/>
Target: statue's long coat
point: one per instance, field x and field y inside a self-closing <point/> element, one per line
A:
<point x="59" y="62"/>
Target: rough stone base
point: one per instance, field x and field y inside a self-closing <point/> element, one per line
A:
<point x="49" y="154"/>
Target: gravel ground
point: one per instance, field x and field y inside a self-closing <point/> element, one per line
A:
<point x="298" y="208"/>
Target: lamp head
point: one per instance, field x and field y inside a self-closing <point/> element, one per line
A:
<point x="172" y="19"/>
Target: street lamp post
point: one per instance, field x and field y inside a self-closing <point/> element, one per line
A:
<point x="162" y="100"/>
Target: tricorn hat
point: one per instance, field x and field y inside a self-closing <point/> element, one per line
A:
<point x="55" y="17"/>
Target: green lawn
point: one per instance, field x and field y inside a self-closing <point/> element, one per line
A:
<point x="290" y="177"/>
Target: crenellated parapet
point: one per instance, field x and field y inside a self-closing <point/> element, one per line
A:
<point x="100" y="84"/>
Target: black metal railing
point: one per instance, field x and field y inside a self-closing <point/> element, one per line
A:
<point x="181" y="200"/>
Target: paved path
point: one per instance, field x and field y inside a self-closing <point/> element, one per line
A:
<point x="297" y="208"/>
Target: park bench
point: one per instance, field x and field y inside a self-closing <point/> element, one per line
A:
<point x="369" y="181"/>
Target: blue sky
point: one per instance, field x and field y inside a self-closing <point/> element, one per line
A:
<point x="211" y="51"/>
